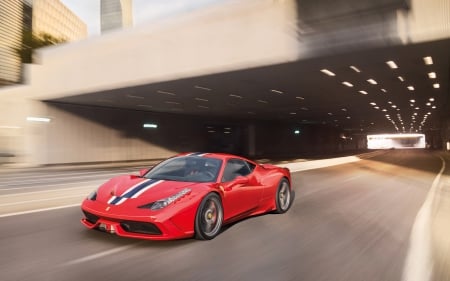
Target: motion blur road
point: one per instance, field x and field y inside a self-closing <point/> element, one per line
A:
<point x="382" y="218"/>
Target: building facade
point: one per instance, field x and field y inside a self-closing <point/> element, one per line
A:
<point x="116" y="14"/>
<point x="36" y="16"/>
<point x="54" y="18"/>
<point x="11" y="28"/>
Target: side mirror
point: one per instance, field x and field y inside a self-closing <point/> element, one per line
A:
<point x="241" y="180"/>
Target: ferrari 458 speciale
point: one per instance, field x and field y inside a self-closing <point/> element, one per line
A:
<point x="189" y="195"/>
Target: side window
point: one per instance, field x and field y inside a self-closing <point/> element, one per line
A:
<point x="235" y="168"/>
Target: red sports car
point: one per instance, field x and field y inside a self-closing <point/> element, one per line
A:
<point x="191" y="194"/>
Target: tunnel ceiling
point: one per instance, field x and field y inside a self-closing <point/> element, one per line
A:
<point x="300" y="92"/>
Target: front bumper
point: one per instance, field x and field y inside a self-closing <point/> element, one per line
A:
<point x="135" y="226"/>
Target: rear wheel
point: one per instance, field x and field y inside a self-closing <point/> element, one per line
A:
<point x="209" y="217"/>
<point x="283" y="196"/>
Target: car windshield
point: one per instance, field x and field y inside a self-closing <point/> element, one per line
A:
<point x="186" y="168"/>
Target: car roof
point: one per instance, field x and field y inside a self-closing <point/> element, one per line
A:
<point x="223" y="156"/>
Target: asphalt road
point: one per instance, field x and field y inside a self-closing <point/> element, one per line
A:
<point x="383" y="218"/>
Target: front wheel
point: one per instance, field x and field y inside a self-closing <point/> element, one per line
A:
<point x="283" y="197"/>
<point x="209" y="217"/>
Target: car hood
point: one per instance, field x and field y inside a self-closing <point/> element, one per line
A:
<point x="134" y="190"/>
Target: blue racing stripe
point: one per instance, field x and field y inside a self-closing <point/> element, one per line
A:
<point x="138" y="188"/>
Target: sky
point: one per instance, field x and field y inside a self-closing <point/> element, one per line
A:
<point x="143" y="10"/>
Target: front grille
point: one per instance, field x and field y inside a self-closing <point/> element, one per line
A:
<point x="140" y="227"/>
<point x="90" y="217"/>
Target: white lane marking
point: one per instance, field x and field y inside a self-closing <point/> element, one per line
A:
<point x="39" y="210"/>
<point x="54" y="184"/>
<point x="47" y="190"/>
<point x="100" y="255"/>
<point x="419" y="261"/>
<point x="41" y="200"/>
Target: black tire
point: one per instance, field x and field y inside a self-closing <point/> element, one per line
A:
<point x="283" y="197"/>
<point x="209" y="217"/>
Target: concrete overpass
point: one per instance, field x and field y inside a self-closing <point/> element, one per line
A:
<point x="237" y="77"/>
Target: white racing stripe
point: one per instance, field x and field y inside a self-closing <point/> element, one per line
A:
<point x="419" y="261"/>
<point x="38" y="210"/>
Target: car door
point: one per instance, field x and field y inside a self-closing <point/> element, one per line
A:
<point x="242" y="191"/>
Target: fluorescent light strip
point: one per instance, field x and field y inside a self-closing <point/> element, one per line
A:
<point x="152" y="126"/>
<point x="166" y="93"/>
<point x="411" y="88"/>
<point x="200" y="99"/>
<point x="172" y="102"/>
<point x="202" y="88"/>
<point x="371" y="81"/>
<point x="38" y="119"/>
<point x="383" y="90"/>
<point x="355" y="68"/>
<point x="144" y="105"/>
<point x="276" y="91"/>
<point x="300" y="98"/>
<point x="392" y="64"/>
<point x="263" y="101"/>
<point x="432" y="75"/>
<point x="327" y="72"/>
<point x="135" y="97"/>
<point x="401" y="78"/>
<point x="436" y="85"/>
<point x="235" y="96"/>
<point x="428" y="60"/>
<point x="363" y="92"/>
<point x="348" y="84"/>
<point x="202" y="106"/>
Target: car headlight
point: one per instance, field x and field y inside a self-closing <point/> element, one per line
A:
<point x="93" y="195"/>
<point x="169" y="200"/>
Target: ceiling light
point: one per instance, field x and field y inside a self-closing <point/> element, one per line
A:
<point x="144" y="105"/>
<point x="348" y="84"/>
<point x="432" y="75"/>
<point x="411" y="88"/>
<point x="300" y="98"/>
<point x="344" y="109"/>
<point x="371" y="81"/>
<point x="417" y="108"/>
<point x="166" y="93"/>
<point x="348" y="117"/>
<point x="327" y="72"/>
<point x="202" y="88"/>
<point x="276" y="91"/>
<point x="433" y="107"/>
<point x="135" y="97"/>
<point x="355" y="68"/>
<point x="391" y="64"/>
<point x="384" y="110"/>
<point x="401" y="78"/>
<point x="200" y="99"/>
<point x="428" y="103"/>
<point x="383" y="90"/>
<point x="412" y="100"/>
<point x="394" y="106"/>
<point x="431" y="99"/>
<point x="172" y="102"/>
<point x="377" y="107"/>
<point x="428" y="60"/>
<point x="235" y="96"/>
<point x="304" y="108"/>
<point x="149" y="125"/>
<point x="263" y="101"/>
<point x="436" y="85"/>
<point x="329" y="113"/>
<point x="372" y="103"/>
<point x="363" y="92"/>
<point x="38" y="119"/>
<point x="202" y="106"/>
<point x="389" y="102"/>
<point x="292" y="113"/>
